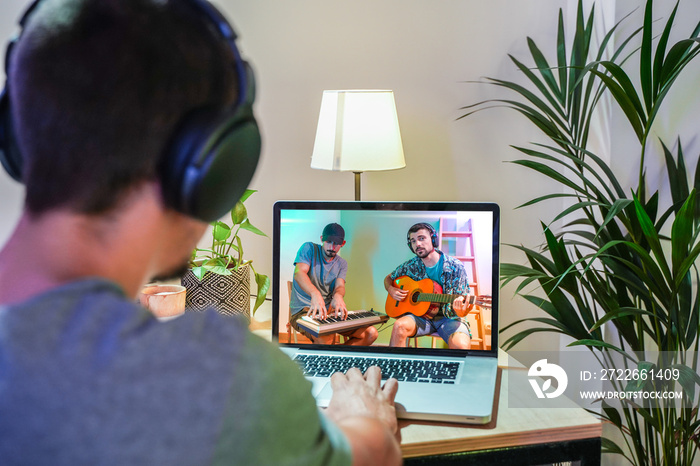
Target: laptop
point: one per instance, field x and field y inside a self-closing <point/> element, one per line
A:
<point x="452" y="385"/>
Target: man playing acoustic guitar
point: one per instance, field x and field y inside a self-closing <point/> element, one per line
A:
<point x="448" y="319"/>
<point x="319" y="287"/>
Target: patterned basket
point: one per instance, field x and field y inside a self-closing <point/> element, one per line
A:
<point x="228" y="294"/>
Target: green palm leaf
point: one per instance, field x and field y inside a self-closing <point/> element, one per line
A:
<point x="620" y="260"/>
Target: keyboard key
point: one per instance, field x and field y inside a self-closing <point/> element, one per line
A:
<point x="407" y="370"/>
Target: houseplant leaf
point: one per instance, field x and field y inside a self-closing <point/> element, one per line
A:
<point x="221" y="232"/>
<point x="226" y="254"/>
<point x="239" y="213"/>
<point x="246" y="225"/>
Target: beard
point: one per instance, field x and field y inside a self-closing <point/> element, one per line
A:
<point x="176" y="272"/>
<point x="423" y="252"/>
<point x="330" y="253"/>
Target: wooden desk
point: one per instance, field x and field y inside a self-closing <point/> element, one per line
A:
<point x="521" y="436"/>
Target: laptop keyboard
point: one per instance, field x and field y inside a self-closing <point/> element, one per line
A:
<point x="404" y="370"/>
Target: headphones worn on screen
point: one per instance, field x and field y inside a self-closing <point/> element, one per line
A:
<point x="211" y="158"/>
<point x="420" y="226"/>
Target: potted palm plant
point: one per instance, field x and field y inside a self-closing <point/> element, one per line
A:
<point x="624" y="260"/>
<point x="219" y="276"/>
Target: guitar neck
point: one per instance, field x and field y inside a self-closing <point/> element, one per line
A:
<point x="438" y="298"/>
<point x="448" y="298"/>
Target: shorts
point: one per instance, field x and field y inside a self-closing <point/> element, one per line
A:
<point x="443" y="326"/>
<point x="295" y="326"/>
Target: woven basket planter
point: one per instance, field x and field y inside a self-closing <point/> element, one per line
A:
<point x="228" y="294"/>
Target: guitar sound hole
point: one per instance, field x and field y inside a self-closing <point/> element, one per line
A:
<point x="414" y="297"/>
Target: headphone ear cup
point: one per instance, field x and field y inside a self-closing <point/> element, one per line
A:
<point x="10" y="157"/>
<point x="204" y="177"/>
<point x="231" y="165"/>
<point x="208" y="167"/>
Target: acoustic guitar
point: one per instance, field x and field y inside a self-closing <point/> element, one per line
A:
<point x="424" y="298"/>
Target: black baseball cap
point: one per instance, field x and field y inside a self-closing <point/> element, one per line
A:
<point x="333" y="233"/>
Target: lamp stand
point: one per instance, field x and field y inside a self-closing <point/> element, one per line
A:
<point x="358" y="185"/>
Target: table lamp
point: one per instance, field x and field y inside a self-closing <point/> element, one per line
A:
<point x="358" y="131"/>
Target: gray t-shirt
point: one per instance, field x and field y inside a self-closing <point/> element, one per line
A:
<point x="322" y="274"/>
<point x="88" y="377"/>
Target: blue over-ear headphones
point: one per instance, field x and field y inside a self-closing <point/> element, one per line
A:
<point x="422" y="226"/>
<point x="212" y="156"/>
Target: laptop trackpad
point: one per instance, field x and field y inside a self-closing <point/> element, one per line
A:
<point x="322" y="391"/>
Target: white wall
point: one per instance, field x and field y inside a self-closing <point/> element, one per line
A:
<point x="424" y="51"/>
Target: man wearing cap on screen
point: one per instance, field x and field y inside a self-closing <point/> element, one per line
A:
<point x="319" y="287"/>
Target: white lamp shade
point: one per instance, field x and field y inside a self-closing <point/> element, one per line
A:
<point x="358" y="131"/>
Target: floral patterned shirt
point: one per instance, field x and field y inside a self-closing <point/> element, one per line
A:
<point x="454" y="278"/>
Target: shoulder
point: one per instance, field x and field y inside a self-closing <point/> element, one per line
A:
<point x="97" y="301"/>
<point x="409" y="264"/>
<point x="96" y="311"/>
<point x="412" y="262"/>
<point x="413" y="268"/>
<point x="307" y="247"/>
<point x="452" y="262"/>
<point x="306" y="252"/>
<point x="271" y="395"/>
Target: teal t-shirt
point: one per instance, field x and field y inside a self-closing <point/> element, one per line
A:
<point x="89" y="377"/>
<point x="435" y="272"/>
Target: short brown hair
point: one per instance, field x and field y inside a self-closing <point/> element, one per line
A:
<point x="97" y="89"/>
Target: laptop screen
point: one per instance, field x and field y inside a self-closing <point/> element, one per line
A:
<point x="443" y="256"/>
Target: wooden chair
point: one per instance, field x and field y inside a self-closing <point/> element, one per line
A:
<point x="477" y="341"/>
<point x="485" y="324"/>
<point x="482" y="328"/>
<point x="291" y="331"/>
<point x="433" y="344"/>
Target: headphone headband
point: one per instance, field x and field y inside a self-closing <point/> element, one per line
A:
<point x="227" y="33"/>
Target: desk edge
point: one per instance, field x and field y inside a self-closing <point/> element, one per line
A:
<point x="502" y="441"/>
